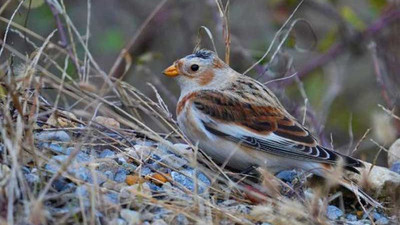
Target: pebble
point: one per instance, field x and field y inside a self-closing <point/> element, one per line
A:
<point x="158" y="222"/>
<point x="107" y="153"/>
<point x="131" y="216"/>
<point x="333" y="212"/>
<point x="120" y="175"/>
<point x="61" y="185"/>
<point x="54" y="147"/>
<point x="82" y="173"/>
<point x="121" y="160"/>
<point x="173" y="161"/>
<point x="54" y="163"/>
<point x="155" y="188"/>
<point x="53" y="136"/>
<point x="394" y="153"/>
<point x="187" y="181"/>
<point x="351" y="217"/>
<point x="109" y="175"/>
<point x="145" y="171"/>
<point x="287" y="175"/>
<point x="82" y="191"/>
<point x="32" y="178"/>
<point x="395" y="167"/>
<point x="129" y="167"/>
<point x="118" y="221"/>
<point x="82" y="157"/>
<point x="180" y="219"/>
<point x="382" y="221"/>
<point x="112" y="198"/>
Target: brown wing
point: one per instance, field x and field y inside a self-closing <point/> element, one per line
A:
<point x="281" y="134"/>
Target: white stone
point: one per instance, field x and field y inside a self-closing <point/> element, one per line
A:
<point x="394" y="153"/>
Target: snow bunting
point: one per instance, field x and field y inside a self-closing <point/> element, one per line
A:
<point x="237" y="120"/>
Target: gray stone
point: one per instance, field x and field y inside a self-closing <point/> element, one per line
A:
<point x="129" y="167"/>
<point x="55" y="163"/>
<point x="187" y="181"/>
<point x="82" y="191"/>
<point x="173" y="161"/>
<point x="82" y="173"/>
<point x="333" y="212"/>
<point x="395" y="167"/>
<point x="82" y="157"/>
<point x="145" y="171"/>
<point x="351" y="217"/>
<point x="109" y="175"/>
<point x="158" y="222"/>
<point x="53" y="136"/>
<point x="382" y="221"/>
<point x="180" y="219"/>
<point x="131" y="216"/>
<point x="120" y="175"/>
<point x="287" y="175"/>
<point x="32" y="179"/>
<point x="107" y="153"/>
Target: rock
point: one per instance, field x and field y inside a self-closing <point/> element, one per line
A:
<point x="396" y="167"/>
<point x="62" y="185"/>
<point x="380" y="180"/>
<point x="111" y="198"/>
<point x="107" y="122"/>
<point x="107" y="153"/>
<point x="145" y="171"/>
<point x="32" y="179"/>
<point x="333" y="212"/>
<point x="53" y="136"/>
<point x="185" y="178"/>
<point x="173" y="161"/>
<point x="158" y="222"/>
<point x="109" y="175"/>
<point x="184" y="150"/>
<point x="54" y="163"/>
<point x="82" y="173"/>
<point x="155" y="188"/>
<point x="82" y="191"/>
<point x="382" y="221"/>
<point x="140" y="152"/>
<point x="394" y="153"/>
<point x="351" y="217"/>
<point x="82" y="157"/>
<point x="54" y="147"/>
<point x="129" y="167"/>
<point x="118" y="221"/>
<point x="130" y="192"/>
<point x="180" y="219"/>
<point x="120" y="175"/>
<point x="287" y="175"/>
<point x="131" y="216"/>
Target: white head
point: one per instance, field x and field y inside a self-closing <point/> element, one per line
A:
<point x="200" y="70"/>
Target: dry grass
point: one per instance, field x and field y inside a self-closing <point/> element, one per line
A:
<point x="37" y="94"/>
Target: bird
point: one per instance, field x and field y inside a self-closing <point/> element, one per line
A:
<point x="237" y="120"/>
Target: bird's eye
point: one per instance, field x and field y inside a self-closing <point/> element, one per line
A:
<point x="194" y="67"/>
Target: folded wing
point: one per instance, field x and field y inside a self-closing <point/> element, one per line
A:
<point x="263" y="127"/>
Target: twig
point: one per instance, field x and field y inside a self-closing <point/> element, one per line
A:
<point x="133" y="40"/>
<point x="63" y="36"/>
<point x="8" y="27"/>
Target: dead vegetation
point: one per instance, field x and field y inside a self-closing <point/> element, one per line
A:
<point x="97" y="111"/>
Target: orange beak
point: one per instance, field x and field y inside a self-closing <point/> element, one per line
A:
<point x="171" y="71"/>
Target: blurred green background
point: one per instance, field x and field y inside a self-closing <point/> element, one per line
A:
<point x="343" y="92"/>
